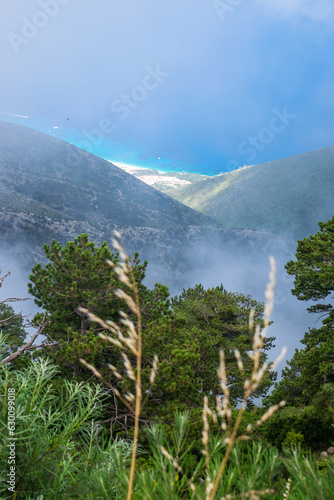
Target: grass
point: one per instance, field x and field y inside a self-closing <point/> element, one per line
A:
<point x="132" y="341"/>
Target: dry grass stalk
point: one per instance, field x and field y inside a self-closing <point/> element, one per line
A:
<point x="250" y="385"/>
<point x="223" y="405"/>
<point x="132" y="342"/>
<point x="177" y="467"/>
<point x="286" y="494"/>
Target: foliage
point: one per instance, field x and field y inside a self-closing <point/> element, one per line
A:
<point x="252" y="468"/>
<point x="325" y="463"/>
<point x="306" y="479"/>
<point x="59" y="450"/>
<point x="293" y="438"/>
<point x="79" y="276"/>
<point x="62" y="452"/>
<point x="310" y="372"/>
<point x="188" y="344"/>
<point x="12" y="325"/>
<point x="186" y="337"/>
<point x="130" y="342"/>
<point x="313" y="424"/>
<point x="308" y="380"/>
<point x="314" y="267"/>
<point x="219" y="320"/>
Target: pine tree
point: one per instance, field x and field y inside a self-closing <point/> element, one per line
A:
<point x="79" y="276"/>
<point x="312" y="368"/>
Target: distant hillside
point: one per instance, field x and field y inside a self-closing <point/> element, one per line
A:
<point x="50" y="189"/>
<point x="286" y="197"/>
<point x="164" y="181"/>
<point x="45" y="176"/>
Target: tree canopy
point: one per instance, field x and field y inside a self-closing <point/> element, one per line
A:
<point x="185" y="333"/>
<point x="11" y="325"/>
<point x="311" y="369"/>
<point x="314" y="267"/>
<point x="219" y="321"/>
<point x="78" y="275"/>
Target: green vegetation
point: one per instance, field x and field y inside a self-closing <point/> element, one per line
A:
<point x="286" y="197"/>
<point x="58" y="444"/>
<point x="139" y="429"/>
<point x="13" y="326"/>
<point x="307" y="384"/>
<point x="185" y="334"/>
<point x="314" y="268"/>
<point x="77" y="275"/>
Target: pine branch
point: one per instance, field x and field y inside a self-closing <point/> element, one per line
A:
<point x="26" y="346"/>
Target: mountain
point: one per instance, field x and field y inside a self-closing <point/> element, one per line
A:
<point x="285" y="197"/>
<point x="51" y="189"/>
<point x="164" y="181"/>
<point x="45" y="176"/>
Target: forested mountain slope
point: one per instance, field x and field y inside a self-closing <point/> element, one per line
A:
<point x="51" y="189"/>
<point x="286" y="197"/>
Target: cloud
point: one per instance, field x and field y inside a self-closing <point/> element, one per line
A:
<point x="314" y="10"/>
<point x="225" y="76"/>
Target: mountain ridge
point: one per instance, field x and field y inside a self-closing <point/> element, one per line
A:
<point x="46" y="168"/>
<point x="286" y="197"/>
<point x="50" y="189"/>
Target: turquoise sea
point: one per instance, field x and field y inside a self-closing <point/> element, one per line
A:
<point x="117" y="152"/>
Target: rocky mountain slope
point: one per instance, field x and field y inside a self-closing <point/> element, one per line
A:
<point x="44" y="176"/>
<point x="50" y="189"/>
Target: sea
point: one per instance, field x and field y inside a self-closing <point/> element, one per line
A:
<point x="120" y="153"/>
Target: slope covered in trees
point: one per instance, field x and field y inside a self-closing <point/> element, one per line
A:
<point x="287" y="197"/>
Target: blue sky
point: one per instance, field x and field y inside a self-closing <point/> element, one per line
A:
<point x="197" y="85"/>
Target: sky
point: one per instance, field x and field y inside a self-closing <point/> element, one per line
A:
<point x="197" y="85"/>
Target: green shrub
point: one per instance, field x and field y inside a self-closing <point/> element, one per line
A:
<point x="313" y="424"/>
<point x="293" y="438"/>
<point x="59" y="451"/>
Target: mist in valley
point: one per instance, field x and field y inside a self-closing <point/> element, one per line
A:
<point x="242" y="270"/>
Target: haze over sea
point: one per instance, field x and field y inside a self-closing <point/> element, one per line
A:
<point x="119" y="153"/>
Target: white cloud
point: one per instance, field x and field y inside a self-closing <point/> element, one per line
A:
<point x="315" y="10"/>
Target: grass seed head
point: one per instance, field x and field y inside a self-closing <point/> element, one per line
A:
<point x="154" y="369"/>
<point x="128" y="300"/>
<point x="251" y="319"/>
<point x="278" y="359"/>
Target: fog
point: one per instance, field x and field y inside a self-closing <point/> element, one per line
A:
<point x="15" y="286"/>
<point x="241" y="270"/>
